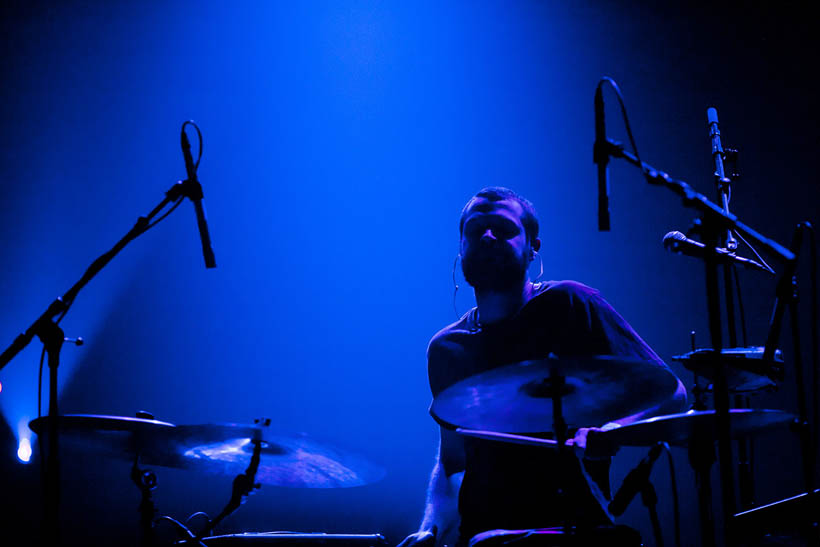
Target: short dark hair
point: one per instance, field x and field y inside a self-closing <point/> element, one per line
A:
<point x="498" y="193"/>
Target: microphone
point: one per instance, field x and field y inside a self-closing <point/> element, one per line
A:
<point x="600" y="156"/>
<point x="679" y="243"/>
<point x="194" y="191"/>
<point x="714" y="135"/>
<point x="723" y="183"/>
<point x="634" y="482"/>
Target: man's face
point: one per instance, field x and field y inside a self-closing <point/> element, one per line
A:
<point x="495" y="253"/>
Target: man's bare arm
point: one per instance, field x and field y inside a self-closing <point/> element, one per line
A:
<point x="440" y="523"/>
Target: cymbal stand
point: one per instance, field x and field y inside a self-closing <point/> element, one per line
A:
<point x="558" y="389"/>
<point x="47" y="329"/>
<point x="787" y="294"/>
<point x="146" y="481"/>
<point x="701" y="458"/>
<point x="243" y="486"/>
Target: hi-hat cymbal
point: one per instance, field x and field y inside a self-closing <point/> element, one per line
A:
<point x="225" y="448"/>
<point x="745" y="368"/>
<point x="680" y="429"/>
<point x="518" y="398"/>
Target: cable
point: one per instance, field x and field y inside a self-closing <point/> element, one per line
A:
<point x="183" y="531"/>
<point x="168" y="212"/>
<point x="199" y="135"/>
<point x="198" y="514"/>
<point x="760" y="258"/>
<point x="455" y="285"/>
<point x="71" y="301"/>
<point x="675" y="499"/>
<point x="626" y="118"/>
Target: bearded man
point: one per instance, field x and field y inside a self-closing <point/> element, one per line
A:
<point x="480" y="485"/>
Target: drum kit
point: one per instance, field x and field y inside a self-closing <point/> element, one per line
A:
<point x="512" y="404"/>
<point x="508" y="404"/>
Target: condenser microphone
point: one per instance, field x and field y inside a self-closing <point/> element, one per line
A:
<point x="600" y="156"/>
<point x="194" y="191"/>
<point x="677" y="242"/>
<point x="634" y="482"/>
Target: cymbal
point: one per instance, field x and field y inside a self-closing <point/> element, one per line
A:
<point x="114" y="436"/>
<point x="517" y="398"/>
<point x="288" y="461"/>
<point x="746" y="370"/>
<point x="221" y="448"/>
<point x="680" y="429"/>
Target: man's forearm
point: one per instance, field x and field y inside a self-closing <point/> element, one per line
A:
<point x="441" y="509"/>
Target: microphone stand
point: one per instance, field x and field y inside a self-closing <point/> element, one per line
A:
<point x="714" y="220"/>
<point x="724" y="191"/>
<point x="47" y="329"/>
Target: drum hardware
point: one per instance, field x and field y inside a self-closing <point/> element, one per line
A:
<point x="146" y="481"/>
<point x="520" y="390"/>
<point x="248" y="452"/>
<point x="620" y="535"/>
<point x="296" y="539"/>
<point x="553" y="395"/>
<point x="243" y="486"/>
<point x="714" y="225"/>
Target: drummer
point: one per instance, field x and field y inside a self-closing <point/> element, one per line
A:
<point x="480" y="485"/>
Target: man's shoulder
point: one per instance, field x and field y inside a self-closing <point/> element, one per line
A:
<point x="568" y="287"/>
<point x="447" y="336"/>
<point x="567" y="292"/>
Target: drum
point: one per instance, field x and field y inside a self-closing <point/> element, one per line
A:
<point x="296" y="539"/>
<point x="556" y="537"/>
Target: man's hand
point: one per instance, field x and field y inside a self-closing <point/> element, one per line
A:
<point x="590" y="444"/>
<point x="422" y="538"/>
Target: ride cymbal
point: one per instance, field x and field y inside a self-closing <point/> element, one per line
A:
<point x="518" y="398"/>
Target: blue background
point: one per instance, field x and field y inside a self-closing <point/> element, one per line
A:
<point x="341" y="140"/>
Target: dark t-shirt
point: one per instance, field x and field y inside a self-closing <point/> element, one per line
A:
<point x="515" y="486"/>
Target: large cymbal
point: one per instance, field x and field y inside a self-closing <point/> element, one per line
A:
<point x="517" y="398"/>
<point x="289" y="461"/>
<point x="226" y="448"/>
<point x="680" y="429"/>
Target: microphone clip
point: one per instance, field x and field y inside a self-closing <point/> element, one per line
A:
<point x="603" y="149"/>
<point x="187" y="188"/>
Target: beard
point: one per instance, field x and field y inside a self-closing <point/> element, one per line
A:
<point x="494" y="269"/>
